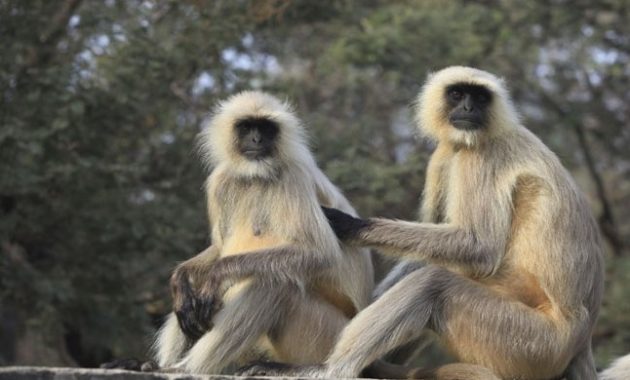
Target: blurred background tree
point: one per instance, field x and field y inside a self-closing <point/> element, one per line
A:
<point x="101" y="189"/>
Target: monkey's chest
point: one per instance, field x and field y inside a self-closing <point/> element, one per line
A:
<point x="246" y="237"/>
<point x="462" y="196"/>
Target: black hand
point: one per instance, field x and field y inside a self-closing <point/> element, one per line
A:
<point x="345" y="226"/>
<point x="209" y="301"/>
<point x="188" y="307"/>
<point x="187" y="317"/>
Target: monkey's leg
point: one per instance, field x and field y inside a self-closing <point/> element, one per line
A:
<point x="512" y="339"/>
<point x="397" y="273"/>
<point x="411" y="350"/>
<point x="238" y="326"/>
<point x="309" y="332"/>
<point x="478" y="325"/>
<point x="304" y="337"/>
<point x="170" y="343"/>
<point x="397" y="317"/>
<point x="394" y="319"/>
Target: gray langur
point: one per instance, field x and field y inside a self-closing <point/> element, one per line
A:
<point x="619" y="370"/>
<point x="513" y="279"/>
<point x="275" y="283"/>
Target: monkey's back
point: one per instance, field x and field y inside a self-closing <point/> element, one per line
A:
<point x="554" y="235"/>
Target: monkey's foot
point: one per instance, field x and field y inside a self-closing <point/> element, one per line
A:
<point x="279" y="369"/>
<point x="131" y="365"/>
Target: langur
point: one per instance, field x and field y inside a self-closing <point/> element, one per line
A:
<point x="619" y="370"/>
<point x="513" y="274"/>
<point x="276" y="283"/>
<point x="397" y="273"/>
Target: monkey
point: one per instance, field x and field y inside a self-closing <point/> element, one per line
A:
<point x="276" y="283"/>
<point x="618" y="370"/>
<point x="513" y="276"/>
<point x="397" y="273"/>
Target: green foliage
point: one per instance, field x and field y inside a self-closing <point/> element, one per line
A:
<point x="100" y="186"/>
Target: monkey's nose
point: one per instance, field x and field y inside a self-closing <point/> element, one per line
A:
<point x="468" y="104"/>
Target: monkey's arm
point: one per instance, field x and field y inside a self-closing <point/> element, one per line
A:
<point x="444" y="244"/>
<point x="288" y="264"/>
<point x="193" y="319"/>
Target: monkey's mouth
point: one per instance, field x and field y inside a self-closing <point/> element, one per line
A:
<point x="255" y="154"/>
<point x="471" y="124"/>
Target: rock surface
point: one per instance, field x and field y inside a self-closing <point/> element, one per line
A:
<point x="51" y="373"/>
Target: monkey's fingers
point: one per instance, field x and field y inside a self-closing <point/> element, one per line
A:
<point x="344" y="225"/>
<point x="188" y="321"/>
<point x="191" y="329"/>
<point x="332" y="213"/>
<point x="207" y="309"/>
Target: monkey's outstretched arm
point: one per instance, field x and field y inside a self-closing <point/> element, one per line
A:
<point x="440" y="243"/>
<point x="445" y="244"/>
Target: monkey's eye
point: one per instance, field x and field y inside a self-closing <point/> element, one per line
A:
<point x="455" y="95"/>
<point x="483" y="98"/>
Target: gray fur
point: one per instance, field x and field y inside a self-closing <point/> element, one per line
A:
<point x="397" y="273"/>
<point x="514" y="278"/>
<point x="619" y="370"/>
<point x="280" y="265"/>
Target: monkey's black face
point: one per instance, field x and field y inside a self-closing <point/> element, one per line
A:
<point x="256" y="137"/>
<point x="468" y="106"/>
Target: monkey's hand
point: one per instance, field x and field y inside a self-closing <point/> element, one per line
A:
<point x="194" y="311"/>
<point x="346" y="226"/>
<point x="210" y="294"/>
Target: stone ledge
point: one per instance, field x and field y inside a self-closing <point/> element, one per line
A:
<point x="53" y="373"/>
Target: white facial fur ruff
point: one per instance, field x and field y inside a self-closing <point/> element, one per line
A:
<point x="218" y="140"/>
<point x="430" y="107"/>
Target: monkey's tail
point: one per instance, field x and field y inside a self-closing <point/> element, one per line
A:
<point x="618" y="370"/>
